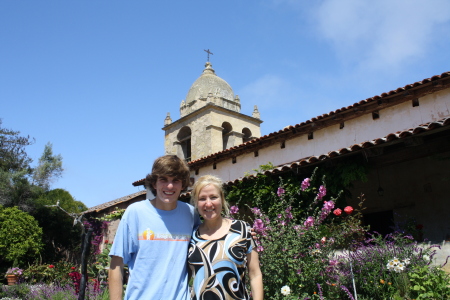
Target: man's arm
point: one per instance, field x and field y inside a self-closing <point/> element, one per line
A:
<point x="115" y="278"/>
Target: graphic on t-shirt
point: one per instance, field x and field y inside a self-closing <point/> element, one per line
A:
<point x="150" y="235"/>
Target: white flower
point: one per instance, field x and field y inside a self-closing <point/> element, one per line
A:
<point x="285" y="290"/>
<point x="426" y="257"/>
<point x="406" y="261"/>
<point x="399" y="268"/>
<point x="390" y="265"/>
<point x="316" y="251"/>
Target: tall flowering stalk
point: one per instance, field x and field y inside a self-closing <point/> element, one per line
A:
<point x="293" y="244"/>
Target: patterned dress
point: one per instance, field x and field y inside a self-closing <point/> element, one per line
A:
<point x="218" y="266"/>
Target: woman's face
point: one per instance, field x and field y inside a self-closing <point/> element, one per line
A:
<point x="209" y="202"/>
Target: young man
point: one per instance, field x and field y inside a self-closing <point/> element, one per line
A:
<point x="153" y="237"/>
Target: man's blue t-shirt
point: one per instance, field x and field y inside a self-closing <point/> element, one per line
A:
<point x="154" y="244"/>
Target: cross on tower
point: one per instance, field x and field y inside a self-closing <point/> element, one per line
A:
<point x="209" y="52"/>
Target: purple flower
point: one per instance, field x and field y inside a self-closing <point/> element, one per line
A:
<point x="328" y="206"/>
<point x="256" y="211"/>
<point x="234" y="209"/>
<point x="280" y="191"/>
<point x="288" y="210"/>
<point x="279" y="216"/>
<point x="322" y="192"/>
<point x="309" y="222"/>
<point x="258" y="226"/>
<point x="289" y="216"/>
<point x="305" y="184"/>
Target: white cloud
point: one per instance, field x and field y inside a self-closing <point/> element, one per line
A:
<point x="382" y="34"/>
<point x="266" y="91"/>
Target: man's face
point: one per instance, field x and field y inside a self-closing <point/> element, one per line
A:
<point x="168" y="190"/>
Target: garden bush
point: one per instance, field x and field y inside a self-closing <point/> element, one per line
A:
<point x="313" y="246"/>
<point x="20" y="236"/>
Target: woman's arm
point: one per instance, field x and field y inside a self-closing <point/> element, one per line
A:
<point x="254" y="272"/>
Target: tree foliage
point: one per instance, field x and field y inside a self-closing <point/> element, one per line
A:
<point x="15" y="188"/>
<point x="49" y="168"/>
<point x="20" y="236"/>
<point x="13" y="156"/>
<point x="60" y="236"/>
<point x="20" y="183"/>
<point x="28" y="189"/>
<point x="65" y="200"/>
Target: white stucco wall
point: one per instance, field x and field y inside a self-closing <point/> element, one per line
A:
<point x="392" y="119"/>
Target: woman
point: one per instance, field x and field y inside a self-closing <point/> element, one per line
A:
<point x="221" y="249"/>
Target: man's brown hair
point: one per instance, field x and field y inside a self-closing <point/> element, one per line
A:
<point x="169" y="166"/>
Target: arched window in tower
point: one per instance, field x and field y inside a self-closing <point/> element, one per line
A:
<point x="226" y="132"/>
<point x="184" y="143"/>
<point x="246" y="135"/>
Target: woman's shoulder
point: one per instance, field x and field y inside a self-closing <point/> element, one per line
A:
<point x="240" y="224"/>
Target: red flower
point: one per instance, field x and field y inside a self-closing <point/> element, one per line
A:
<point x="419" y="226"/>
<point x="106" y="241"/>
<point x="337" y="212"/>
<point x="348" y="210"/>
<point x="72" y="268"/>
<point x="51" y="266"/>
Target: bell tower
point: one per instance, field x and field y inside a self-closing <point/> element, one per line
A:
<point x="210" y="120"/>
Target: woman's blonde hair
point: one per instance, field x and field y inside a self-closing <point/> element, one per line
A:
<point x="204" y="181"/>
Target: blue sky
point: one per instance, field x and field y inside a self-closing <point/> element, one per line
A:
<point x="97" y="78"/>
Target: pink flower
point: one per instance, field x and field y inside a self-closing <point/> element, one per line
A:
<point x="305" y="184"/>
<point x="348" y="210"/>
<point x="322" y="192"/>
<point x="288" y="210"/>
<point x="258" y="226"/>
<point x="280" y="191"/>
<point x="256" y="211"/>
<point x="289" y="216"/>
<point x="333" y="262"/>
<point x="309" y="222"/>
<point x="328" y="205"/>
<point x="337" y="212"/>
<point x="279" y="216"/>
<point x="234" y="209"/>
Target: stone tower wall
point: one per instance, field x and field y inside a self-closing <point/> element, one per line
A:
<point x="206" y="131"/>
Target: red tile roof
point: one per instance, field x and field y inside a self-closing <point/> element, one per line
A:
<point x="410" y="91"/>
<point x="391" y="138"/>
<point x="115" y="202"/>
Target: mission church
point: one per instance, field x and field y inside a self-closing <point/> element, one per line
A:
<point x="403" y="135"/>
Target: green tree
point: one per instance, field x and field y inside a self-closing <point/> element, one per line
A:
<point x="61" y="238"/>
<point x="49" y="168"/>
<point x="64" y="200"/>
<point x="15" y="188"/>
<point x="20" y="236"/>
<point x="20" y="184"/>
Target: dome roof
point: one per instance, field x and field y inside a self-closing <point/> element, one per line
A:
<point x="207" y="83"/>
